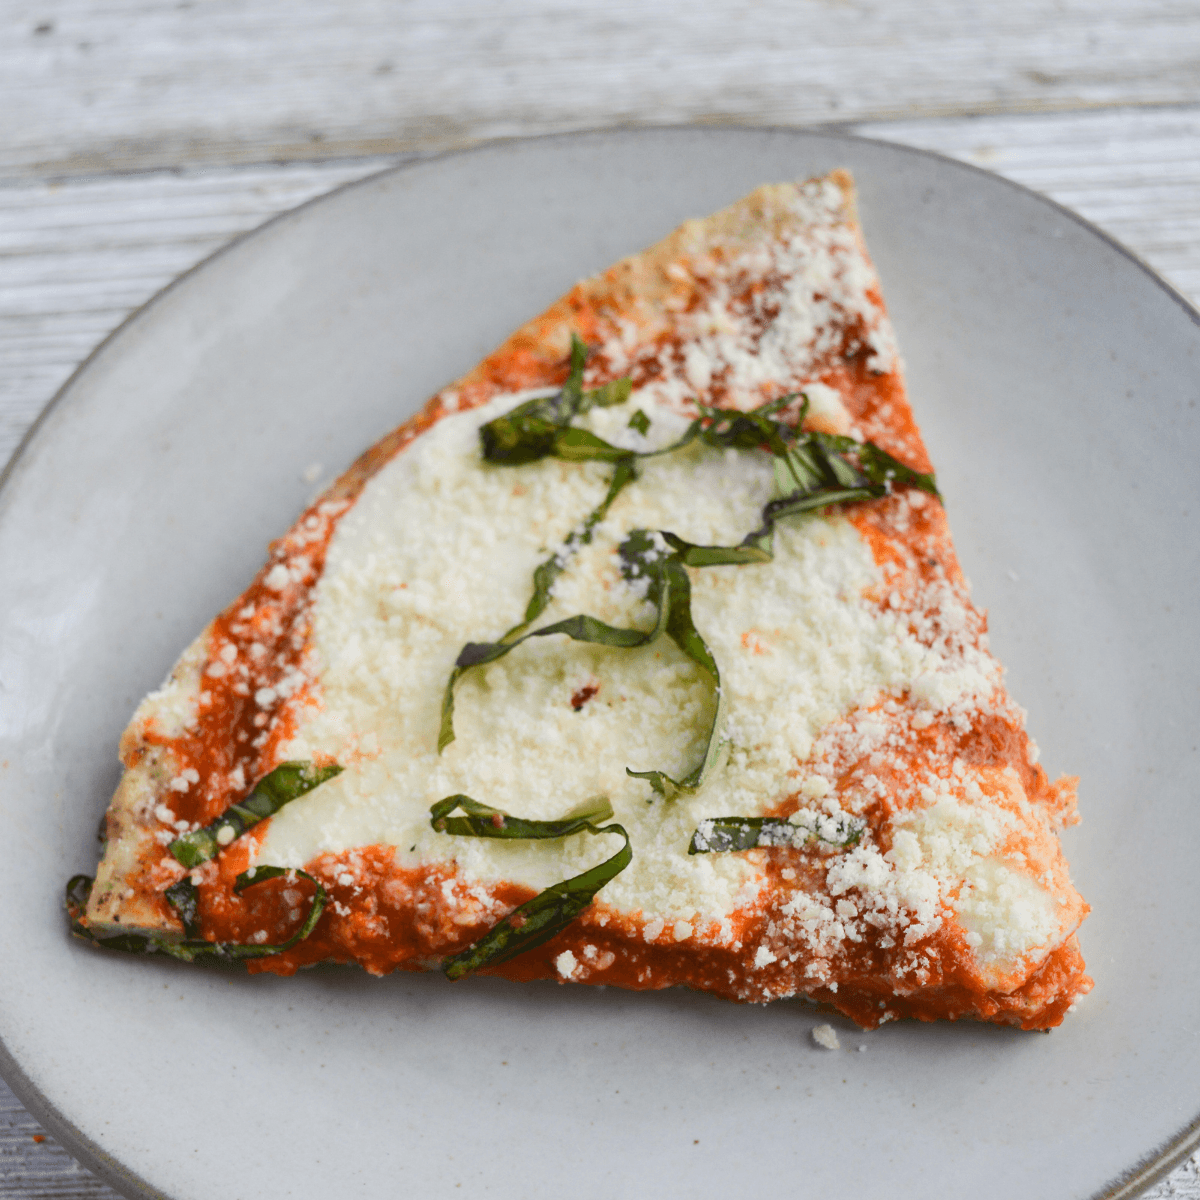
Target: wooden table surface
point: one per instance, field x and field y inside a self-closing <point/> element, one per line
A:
<point x="138" y="136"/>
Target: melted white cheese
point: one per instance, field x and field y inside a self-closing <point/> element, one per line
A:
<point x="440" y="549"/>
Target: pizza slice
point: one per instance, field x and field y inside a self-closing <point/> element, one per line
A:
<point x="641" y="656"/>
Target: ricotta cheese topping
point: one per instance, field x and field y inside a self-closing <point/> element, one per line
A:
<point x="440" y="549"/>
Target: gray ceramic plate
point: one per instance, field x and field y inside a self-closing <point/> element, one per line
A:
<point x="1056" y="381"/>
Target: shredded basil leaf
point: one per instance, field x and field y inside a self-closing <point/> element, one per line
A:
<point x="183" y="900"/>
<point x="545" y="575"/>
<point x="814" y="464"/>
<point x="287" y="782"/>
<point x="549" y="912"/>
<point x="533" y="441"/>
<point x="579" y="628"/>
<point x="581" y="445"/>
<point x="747" y="833"/>
<point x="877" y="465"/>
<point x="541" y="428"/>
<point x="813" y="461"/>
<point x="607" y="395"/>
<point x="811" y="469"/>
<point x="484" y="821"/>
<point x="260" y="875"/>
<point x="670" y="590"/>
<point x="691" y="555"/>
<point x="732" y="429"/>
<point x="639" y="422"/>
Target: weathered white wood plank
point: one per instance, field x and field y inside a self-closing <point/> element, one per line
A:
<point x="97" y="85"/>
<point x="34" y="1166"/>
<point x="1182" y="1184"/>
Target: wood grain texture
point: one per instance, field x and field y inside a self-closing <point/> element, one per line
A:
<point x="32" y="1169"/>
<point x="101" y="85"/>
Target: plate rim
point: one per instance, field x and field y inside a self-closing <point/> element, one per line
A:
<point x="1143" y="1174"/>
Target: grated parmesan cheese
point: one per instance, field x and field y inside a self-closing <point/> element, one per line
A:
<point x="785" y="333"/>
<point x="826" y="1037"/>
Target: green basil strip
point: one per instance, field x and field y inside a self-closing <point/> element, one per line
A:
<point x="801" y="502"/>
<point x="182" y="898"/>
<point x="607" y="395"/>
<point x="812" y="473"/>
<point x="484" y="821"/>
<point x="540" y="428"/>
<point x="732" y="429"/>
<point x="812" y="460"/>
<point x="79" y="889"/>
<point x="670" y="592"/>
<point x="747" y="833"/>
<point x="639" y="422"/>
<point x="538" y="439"/>
<point x="260" y="875"/>
<point x="287" y="782"/>
<point x="568" y="401"/>
<point x="544" y="577"/>
<point x="581" y="445"/>
<point x="579" y="628"/>
<point x="671" y="589"/>
<point x="546" y="574"/>
<point x="877" y="465"/>
<point x="815" y="462"/>
<point x="538" y="920"/>
<point x="692" y="555"/>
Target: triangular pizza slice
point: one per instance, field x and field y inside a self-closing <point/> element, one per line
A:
<point x="641" y="656"/>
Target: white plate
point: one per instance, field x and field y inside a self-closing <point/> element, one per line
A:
<point x="1055" y="380"/>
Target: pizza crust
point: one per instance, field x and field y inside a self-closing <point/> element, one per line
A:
<point x="132" y="830"/>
